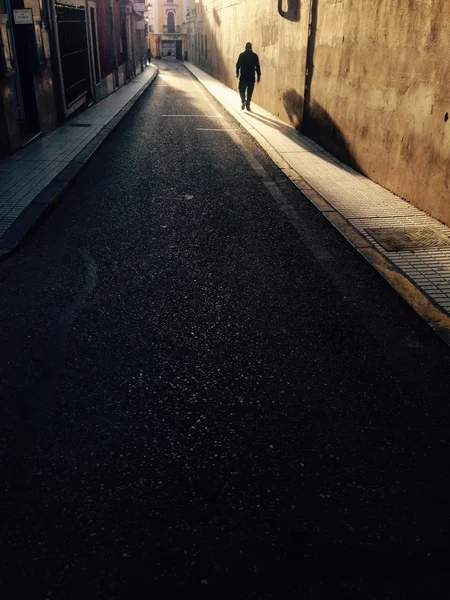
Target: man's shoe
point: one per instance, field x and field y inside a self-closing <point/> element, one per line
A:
<point x="243" y="105"/>
<point x="247" y="106"/>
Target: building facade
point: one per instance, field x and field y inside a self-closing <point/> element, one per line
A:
<point x="167" y="28"/>
<point x="28" y="105"/>
<point x="58" y="57"/>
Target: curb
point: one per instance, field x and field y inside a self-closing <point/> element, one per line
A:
<point x="48" y="198"/>
<point x="419" y="301"/>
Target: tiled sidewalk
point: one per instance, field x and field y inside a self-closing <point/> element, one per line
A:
<point x="26" y="173"/>
<point x="363" y="203"/>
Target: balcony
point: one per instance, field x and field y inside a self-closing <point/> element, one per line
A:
<point x="175" y="29"/>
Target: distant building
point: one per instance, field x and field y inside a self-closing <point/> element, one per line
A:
<point x="166" y="28"/>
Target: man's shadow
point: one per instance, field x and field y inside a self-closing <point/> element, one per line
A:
<point x="317" y="124"/>
<point x="289" y="9"/>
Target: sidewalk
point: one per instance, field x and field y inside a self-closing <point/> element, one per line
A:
<point x="416" y="262"/>
<point x="36" y="176"/>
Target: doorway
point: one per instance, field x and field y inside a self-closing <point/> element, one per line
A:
<point x="179" y="50"/>
<point x="168" y="49"/>
<point x="73" y="56"/>
<point x="26" y="56"/>
<point x="127" y="45"/>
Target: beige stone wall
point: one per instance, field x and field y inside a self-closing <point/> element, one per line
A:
<point x="380" y="90"/>
<point x="381" y="73"/>
<point x="279" y="42"/>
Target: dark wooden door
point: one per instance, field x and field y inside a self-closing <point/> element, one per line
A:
<point x="74" y="54"/>
<point x="179" y="50"/>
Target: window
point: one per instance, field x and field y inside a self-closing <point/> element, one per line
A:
<point x="170" y="22"/>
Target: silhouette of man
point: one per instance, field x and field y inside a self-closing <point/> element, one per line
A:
<point x="246" y="66"/>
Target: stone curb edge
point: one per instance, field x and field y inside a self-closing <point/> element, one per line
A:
<point x="419" y="301"/>
<point x="48" y="198"/>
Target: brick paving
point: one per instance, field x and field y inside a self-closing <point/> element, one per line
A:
<point x="359" y="200"/>
<point x="26" y="173"/>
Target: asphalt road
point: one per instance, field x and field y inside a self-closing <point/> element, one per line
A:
<point x="207" y="392"/>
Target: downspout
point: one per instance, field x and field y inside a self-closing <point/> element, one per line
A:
<point x="309" y="70"/>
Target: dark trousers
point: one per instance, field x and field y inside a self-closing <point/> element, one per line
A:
<point x="246" y="86"/>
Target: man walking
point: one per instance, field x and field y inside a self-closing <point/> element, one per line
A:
<point x="246" y="66"/>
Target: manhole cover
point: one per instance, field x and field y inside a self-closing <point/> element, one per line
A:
<point x="408" y="238"/>
<point x="79" y="124"/>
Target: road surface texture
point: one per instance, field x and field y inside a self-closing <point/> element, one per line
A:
<point x="206" y="392"/>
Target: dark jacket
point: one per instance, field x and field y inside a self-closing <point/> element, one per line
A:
<point x="247" y="64"/>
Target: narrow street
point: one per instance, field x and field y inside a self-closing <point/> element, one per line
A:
<point x="206" y="390"/>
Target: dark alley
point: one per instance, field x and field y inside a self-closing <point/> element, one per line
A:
<point x="206" y="390"/>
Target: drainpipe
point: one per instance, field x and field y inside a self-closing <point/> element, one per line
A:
<point x="309" y="70"/>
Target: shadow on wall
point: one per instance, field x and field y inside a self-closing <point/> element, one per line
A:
<point x="293" y="105"/>
<point x="289" y="9"/>
<point x="319" y="126"/>
<point x="309" y="118"/>
<point x="217" y="18"/>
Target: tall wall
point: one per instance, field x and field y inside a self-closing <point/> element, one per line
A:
<point x="380" y="71"/>
<point x="279" y="42"/>
<point x="378" y="93"/>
